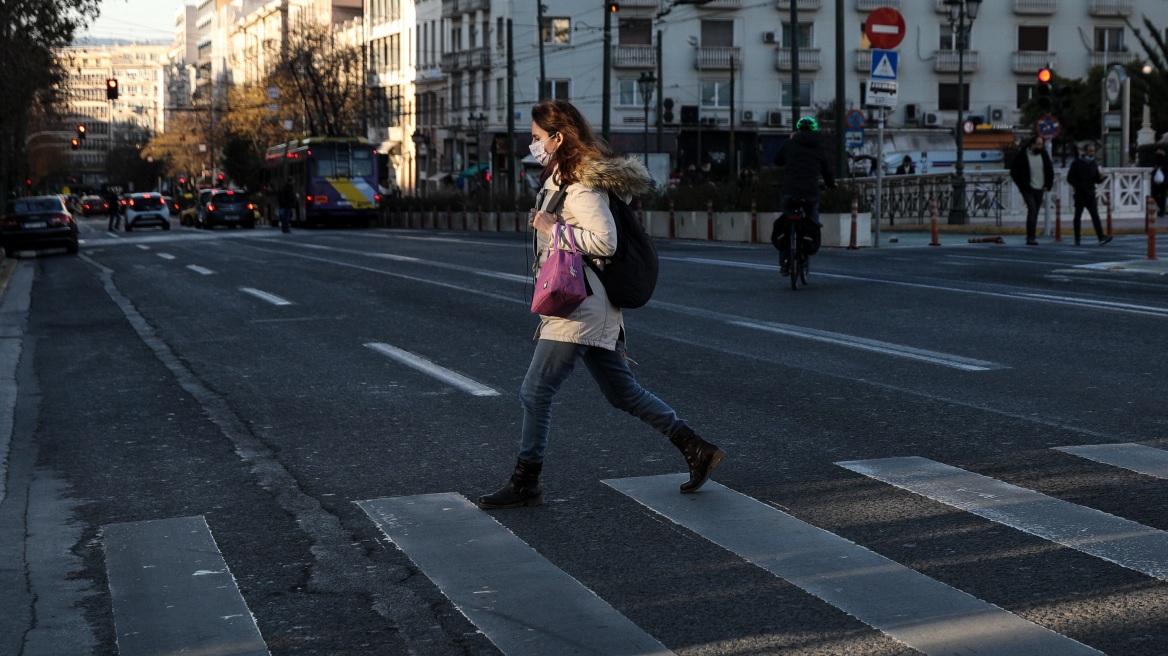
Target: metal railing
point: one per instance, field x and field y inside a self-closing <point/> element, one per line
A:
<point x="717" y="58"/>
<point x="634" y="56"/>
<point x="1035" y="6"/>
<point x="947" y="61"/>
<point x="1032" y="61"/>
<point x="1112" y="7"/>
<point x="809" y="59"/>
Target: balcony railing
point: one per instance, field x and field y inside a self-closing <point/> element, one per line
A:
<point x="721" y="4"/>
<point x="634" y="56"/>
<point x="869" y="5"/>
<point x="946" y="61"/>
<point x="466" y="60"/>
<point x="802" y="5"/>
<point x="809" y="59"/>
<point x="1112" y="7"/>
<point x="710" y="58"/>
<point x="1035" y="6"/>
<point x="640" y="4"/>
<point x="1101" y="58"/>
<point x="452" y="8"/>
<point x="1032" y="61"/>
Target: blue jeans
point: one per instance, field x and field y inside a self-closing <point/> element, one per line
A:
<point x="285" y="218"/>
<point x="550" y="366"/>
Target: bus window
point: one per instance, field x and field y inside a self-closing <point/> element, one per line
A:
<point x="362" y="163"/>
<point x="324" y="163"/>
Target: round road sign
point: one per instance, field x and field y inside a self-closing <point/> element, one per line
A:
<point x="1048" y="126"/>
<point x="854" y="118"/>
<point x="884" y="28"/>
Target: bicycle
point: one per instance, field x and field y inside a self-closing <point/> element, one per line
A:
<point x="797" y="258"/>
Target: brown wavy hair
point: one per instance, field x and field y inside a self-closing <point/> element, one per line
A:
<point x="580" y="142"/>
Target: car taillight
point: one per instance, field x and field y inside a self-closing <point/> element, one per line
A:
<point x="59" y="220"/>
<point x="250" y="206"/>
<point x="376" y="198"/>
<point x="308" y="199"/>
<point x="210" y="207"/>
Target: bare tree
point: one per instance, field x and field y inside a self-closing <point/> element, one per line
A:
<point x="326" y="78"/>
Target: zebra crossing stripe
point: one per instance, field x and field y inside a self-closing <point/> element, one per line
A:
<point x="921" y="612"/>
<point x="1136" y="457"/>
<point x="1114" y="539"/>
<point x="524" y="604"/>
<point x="172" y="592"/>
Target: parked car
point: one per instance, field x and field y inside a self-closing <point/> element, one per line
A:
<point x="146" y="210"/>
<point x="228" y="207"/>
<point x="190" y="216"/>
<point x="91" y="205"/>
<point x="37" y="222"/>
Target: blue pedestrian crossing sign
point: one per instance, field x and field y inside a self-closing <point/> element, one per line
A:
<point x="885" y="64"/>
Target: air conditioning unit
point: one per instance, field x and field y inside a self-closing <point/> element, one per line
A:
<point x="769" y="37"/>
<point x="932" y="119"/>
<point x="912" y="112"/>
<point x="776" y="119"/>
<point x="997" y="114"/>
<point x="749" y="116"/>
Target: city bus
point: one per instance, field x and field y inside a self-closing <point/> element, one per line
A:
<point x="335" y="179"/>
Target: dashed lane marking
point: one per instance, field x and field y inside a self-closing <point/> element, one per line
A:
<point x="271" y="298"/>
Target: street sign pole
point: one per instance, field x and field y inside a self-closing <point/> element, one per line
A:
<point x="877" y="208"/>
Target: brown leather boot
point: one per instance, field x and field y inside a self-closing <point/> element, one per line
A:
<point x="701" y="456"/>
<point x="521" y="490"/>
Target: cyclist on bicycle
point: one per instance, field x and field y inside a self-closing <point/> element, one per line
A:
<point x="804" y="162"/>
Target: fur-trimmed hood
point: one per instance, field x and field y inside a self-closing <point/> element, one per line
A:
<point x="625" y="176"/>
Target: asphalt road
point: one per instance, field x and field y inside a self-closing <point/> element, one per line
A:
<point x="281" y="409"/>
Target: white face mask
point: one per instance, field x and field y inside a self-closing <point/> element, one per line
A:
<point x="540" y="153"/>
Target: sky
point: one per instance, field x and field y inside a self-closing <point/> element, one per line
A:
<point x="135" y="20"/>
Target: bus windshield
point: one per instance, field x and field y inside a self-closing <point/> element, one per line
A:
<point x="342" y="161"/>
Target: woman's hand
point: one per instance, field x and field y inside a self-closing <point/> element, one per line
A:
<point x="542" y="221"/>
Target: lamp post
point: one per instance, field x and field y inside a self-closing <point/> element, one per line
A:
<point x="419" y="138"/>
<point x="962" y="13"/>
<point x="646" y="83"/>
<point x="476" y="122"/>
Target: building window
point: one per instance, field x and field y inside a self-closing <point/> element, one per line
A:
<point x="1033" y="38"/>
<point x="947" y="96"/>
<point x="628" y="93"/>
<point x="785" y="98"/>
<point x="555" y="89"/>
<point x="717" y="34"/>
<point x="499" y="33"/>
<point x="715" y="93"/>
<point x="1024" y="93"/>
<point x="556" y="31"/>
<point x="1109" y="39"/>
<point x="635" y="31"/>
<point x="804" y="35"/>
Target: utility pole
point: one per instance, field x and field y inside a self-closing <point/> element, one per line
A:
<point x="511" y="162"/>
<point x="606" y="88"/>
<point x="795" y="63"/>
<point x="841" y="152"/>
<point x="733" y="154"/>
<point x="539" y="33"/>
<point x="660" y="93"/>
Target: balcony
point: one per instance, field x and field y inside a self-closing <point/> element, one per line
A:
<point x="1112" y="7"/>
<point x="466" y="60"/>
<point x="1101" y="58"/>
<point x="634" y="56"/>
<point x="946" y="61"/>
<point x="639" y="4"/>
<point x="711" y="58"/>
<point x="809" y="59"/>
<point x="869" y="5"/>
<point x="1032" y="61"/>
<point x="453" y="8"/>
<point x="721" y="4"/>
<point x="1035" y="6"/>
<point x="801" y="5"/>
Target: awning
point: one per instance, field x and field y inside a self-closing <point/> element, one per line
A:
<point x="474" y="169"/>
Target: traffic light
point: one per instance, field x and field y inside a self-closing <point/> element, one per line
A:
<point x="111" y="88"/>
<point x="75" y="143"/>
<point x="613" y="7"/>
<point x="1062" y="97"/>
<point x="82" y="131"/>
<point x="1045" y="93"/>
<point x="182" y="181"/>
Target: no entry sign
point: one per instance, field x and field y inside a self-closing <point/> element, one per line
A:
<point x="884" y="28"/>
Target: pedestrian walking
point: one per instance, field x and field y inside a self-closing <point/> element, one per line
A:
<point x="1160" y="188"/>
<point x="1033" y="171"/>
<point x="115" y="209"/>
<point x="582" y="170"/>
<point x="1083" y="175"/>
<point x="286" y="200"/>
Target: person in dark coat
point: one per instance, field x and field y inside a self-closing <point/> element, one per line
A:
<point x="287" y="202"/>
<point x="1033" y="171"/>
<point x="907" y="167"/>
<point x="1083" y="176"/>
<point x="804" y="162"/>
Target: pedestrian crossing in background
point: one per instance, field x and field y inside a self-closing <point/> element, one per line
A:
<point x="492" y="576"/>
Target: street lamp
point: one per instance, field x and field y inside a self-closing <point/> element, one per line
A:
<point x="646" y="83"/>
<point x="961" y="16"/>
<point x="476" y="122"/>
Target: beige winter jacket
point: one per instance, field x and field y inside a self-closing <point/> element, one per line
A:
<point x="585" y="211"/>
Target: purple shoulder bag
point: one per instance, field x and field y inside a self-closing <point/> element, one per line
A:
<point x="559" y="287"/>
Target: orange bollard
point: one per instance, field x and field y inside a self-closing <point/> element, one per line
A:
<point x="936" y="236"/>
<point x="1151" y="228"/>
<point x="1058" y="219"/>
<point x="855" y="210"/>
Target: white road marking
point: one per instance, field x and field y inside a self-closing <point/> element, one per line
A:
<point x="271" y="298"/>
<point x="165" y="256"/>
<point x="144" y="247"/>
<point x="452" y="378"/>
<point x="1135" y="457"/>
<point x="198" y="269"/>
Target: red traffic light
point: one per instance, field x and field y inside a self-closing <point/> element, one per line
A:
<point x="1044" y="75"/>
<point x="613" y="7"/>
<point x="75" y="142"/>
<point x="111" y="88"/>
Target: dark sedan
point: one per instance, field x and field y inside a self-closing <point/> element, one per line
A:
<point x="228" y="208"/>
<point x="37" y="222"/>
<point x="91" y="205"/>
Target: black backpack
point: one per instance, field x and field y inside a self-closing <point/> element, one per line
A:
<point x="630" y="275"/>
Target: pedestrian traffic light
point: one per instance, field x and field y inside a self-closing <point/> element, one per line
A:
<point x="111" y="88"/>
<point x="75" y="143"/>
<point x="1045" y="94"/>
<point x="81" y="131"/>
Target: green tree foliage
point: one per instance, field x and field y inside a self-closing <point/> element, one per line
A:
<point x="30" y="31"/>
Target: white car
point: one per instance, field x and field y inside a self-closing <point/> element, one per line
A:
<point x="146" y="210"/>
